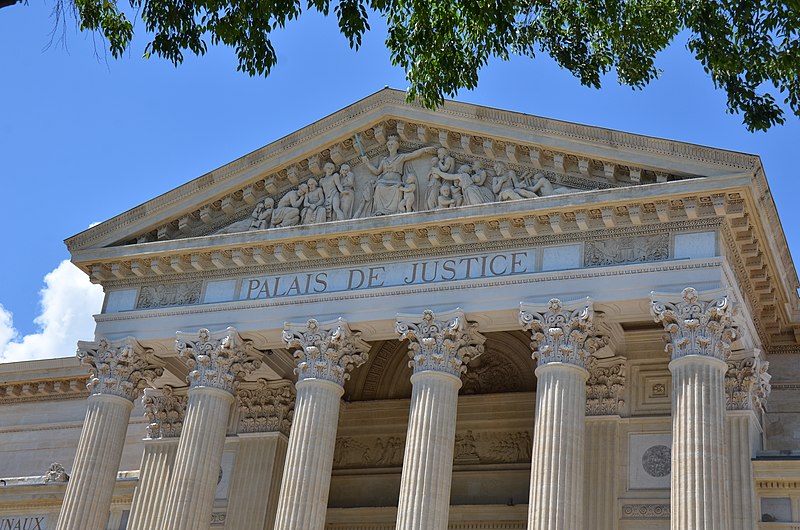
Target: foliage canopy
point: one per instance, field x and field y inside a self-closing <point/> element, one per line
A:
<point x="750" y="48"/>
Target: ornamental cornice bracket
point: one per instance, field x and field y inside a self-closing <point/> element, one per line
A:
<point x="121" y="368"/>
<point x="220" y="359"/>
<point x="696" y="323"/>
<point x="561" y="332"/>
<point x="325" y="350"/>
<point x="266" y="406"/>
<point x="443" y="342"/>
<point x="747" y="381"/>
<point x="605" y="386"/>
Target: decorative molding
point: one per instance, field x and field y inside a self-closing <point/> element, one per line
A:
<point x="121" y="368"/>
<point x="747" y="383"/>
<point x="446" y="344"/>
<point x="219" y="360"/>
<point x="695" y="326"/>
<point x="645" y="511"/>
<point x="268" y="407"/>
<point x="605" y="386"/>
<point x="622" y="250"/>
<point x="326" y="350"/>
<point x="218" y="519"/>
<point x="60" y="389"/>
<point x="56" y="473"/>
<point x="169" y="294"/>
<point x="165" y="410"/>
<point x="561" y="333"/>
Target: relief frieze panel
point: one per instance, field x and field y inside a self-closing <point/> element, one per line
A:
<point x="626" y="249"/>
<point x="169" y="294"/>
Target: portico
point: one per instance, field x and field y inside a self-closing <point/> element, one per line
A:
<point x="407" y="361"/>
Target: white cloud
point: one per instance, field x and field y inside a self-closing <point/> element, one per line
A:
<point x="68" y="301"/>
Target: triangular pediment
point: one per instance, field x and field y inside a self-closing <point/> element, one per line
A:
<point x="459" y="156"/>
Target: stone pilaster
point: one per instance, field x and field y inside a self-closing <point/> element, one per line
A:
<point x="747" y="388"/>
<point x="217" y="363"/>
<point x="440" y="348"/>
<point x="165" y="410"/>
<point x="604" y="390"/>
<point x="119" y="371"/>
<point x="325" y="354"/>
<point x="563" y="338"/>
<point x="699" y="335"/>
<point x="265" y="416"/>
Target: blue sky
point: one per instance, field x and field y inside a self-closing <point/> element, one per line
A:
<point x="84" y="138"/>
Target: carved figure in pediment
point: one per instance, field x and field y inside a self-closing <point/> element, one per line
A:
<point x="387" y="191"/>
<point x="330" y="190"/>
<point x="458" y="195"/>
<point x="479" y="177"/>
<point x="507" y="186"/>
<point x="261" y="217"/>
<point x="409" y="190"/>
<point x="345" y="196"/>
<point x="445" y="199"/>
<point x="472" y="192"/>
<point x="434" y="186"/>
<point x="287" y="213"/>
<point x="313" y="204"/>
<point x="444" y="161"/>
<point x="545" y="188"/>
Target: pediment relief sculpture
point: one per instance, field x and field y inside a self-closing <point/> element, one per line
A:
<point x="426" y="178"/>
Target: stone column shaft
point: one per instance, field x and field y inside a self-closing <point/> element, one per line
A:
<point x="87" y="500"/>
<point x="600" y="483"/>
<point x="741" y="438"/>
<point x="556" y="493"/>
<point x="118" y="372"/>
<point x="256" y="481"/>
<point x="699" y="487"/>
<point x="325" y="354"/>
<point x="198" y="459"/>
<point x="428" y="461"/>
<point x="306" y="483"/>
<point x="150" y="497"/>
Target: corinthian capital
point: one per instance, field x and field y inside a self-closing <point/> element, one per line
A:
<point x="121" y="368"/>
<point x="605" y="386"/>
<point x="444" y="344"/>
<point x="747" y="383"/>
<point x="325" y="350"/>
<point x="219" y="360"/>
<point x="268" y="407"/>
<point x="560" y="333"/>
<point x="695" y="326"/>
<point x="164" y="409"/>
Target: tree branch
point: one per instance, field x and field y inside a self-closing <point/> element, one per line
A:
<point x="6" y="3"/>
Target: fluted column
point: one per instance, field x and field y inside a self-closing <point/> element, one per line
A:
<point x="700" y="334"/>
<point x="165" y="410"/>
<point x="747" y="388"/>
<point x="440" y="348"/>
<point x="601" y="482"/>
<point x="562" y="339"/>
<point x="265" y="416"/>
<point x="119" y="372"/>
<point x="325" y="354"/>
<point x="218" y="361"/>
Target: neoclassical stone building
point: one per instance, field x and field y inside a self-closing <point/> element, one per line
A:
<point x="398" y="318"/>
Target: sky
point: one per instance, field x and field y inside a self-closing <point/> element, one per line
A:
<point x="84" y="138"/>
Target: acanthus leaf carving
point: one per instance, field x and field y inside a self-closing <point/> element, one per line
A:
<point x="165" y="410"/>
<point x="693" y="325"/>
<point x="747" y="382"/>
<point x="327" y="350"/>
<point x="444" y="344"/>
<point x="561" y="333"/>
<point x="218" y="360"/>
<point x="121" y="368"/>
<point x="605" y="386"/>
<point x="269" y="407"/>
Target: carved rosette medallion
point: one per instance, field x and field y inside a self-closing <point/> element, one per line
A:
<point x="695" y="326"/>
<point x="327" y="350"/>
<point x="121" y="368"/>
<point x="747" y="383"/>
<point x="56" y="473"/>
<point x="561" y="334"/>
<point x="446" y="344"/>
<point x="218" y="360"/>
<point x="269" y="407"/>
<point x="165" y="410"/>
<point x="604" y="387"/>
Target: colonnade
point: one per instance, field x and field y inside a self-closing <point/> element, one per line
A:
<point x="180" y="470"/>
